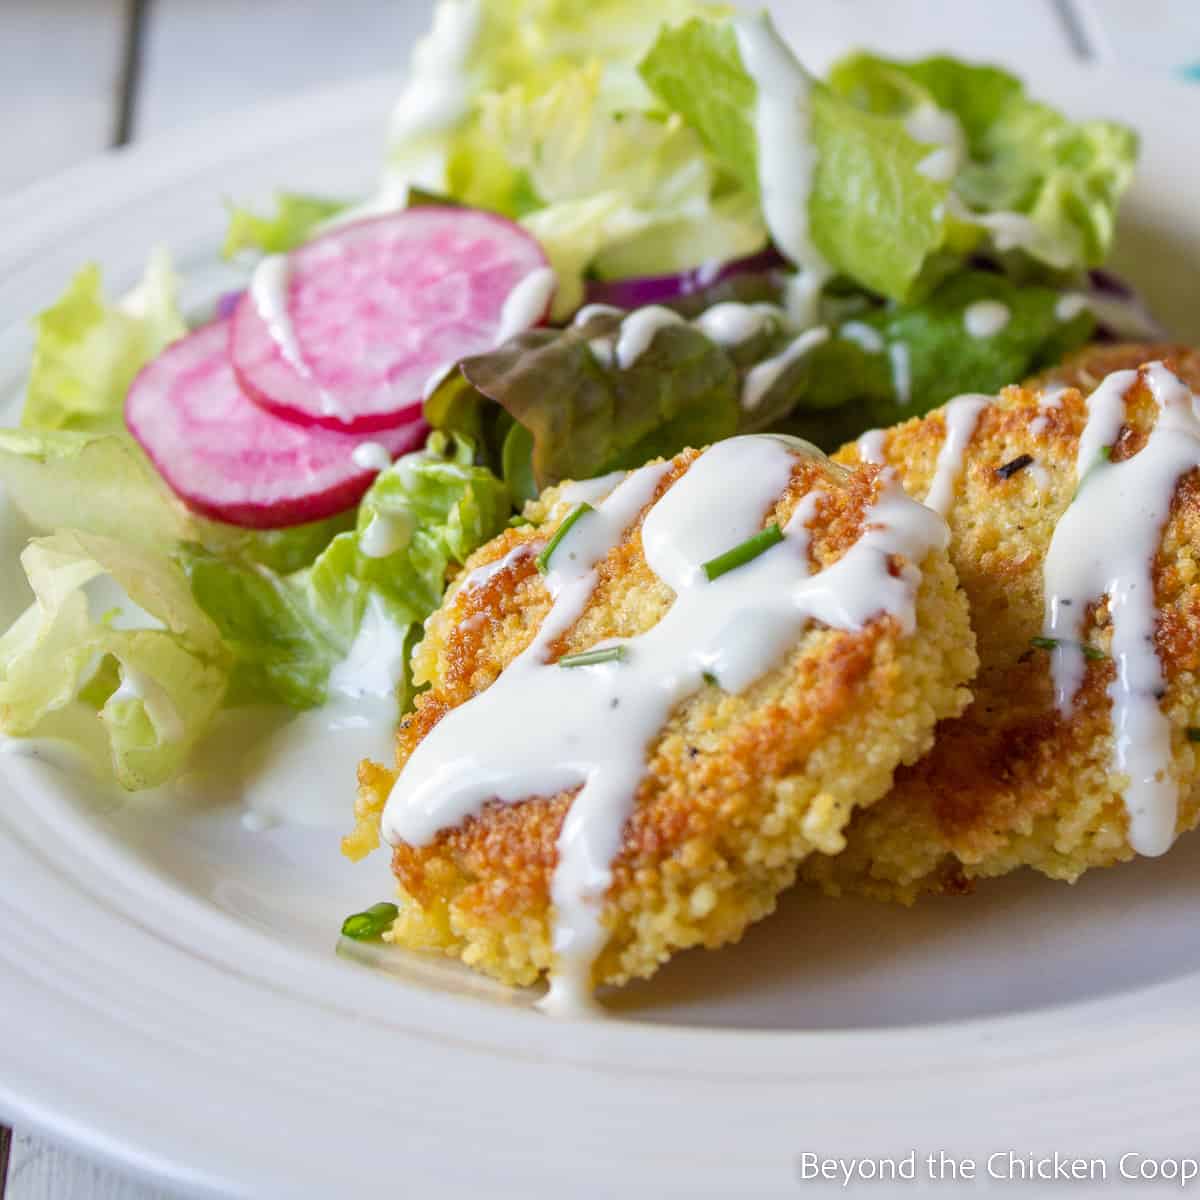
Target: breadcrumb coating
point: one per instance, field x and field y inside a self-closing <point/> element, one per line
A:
<point x="1013" y="783"/>
<point x="738" y="788"/>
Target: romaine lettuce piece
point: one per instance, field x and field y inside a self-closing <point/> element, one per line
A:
<point x="873" y="214"/>
<point x="479" y="46"/>
<point x="287" y="632"/>
<point x="925" y="357"/>
<point x="1033" y="180"/>
<point x="295" y="218"/>
<point x="628" y="190"/>
<point x="156" y="685"/>
<point x="88" y="350"/>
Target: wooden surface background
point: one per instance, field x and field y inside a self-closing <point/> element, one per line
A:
<point x="78" y="77"/>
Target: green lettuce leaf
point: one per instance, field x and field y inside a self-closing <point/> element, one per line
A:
<point x="623" y="189"/>
<point x="1033" y="180"/>
<point x="479" y="46"/>
<point x="873" y="215"/>
<point x="295" y="218"/>
<point x="88" y="350"/>
<point x="155" y="684"/>
<point x="104" y="484"/>
<point x="287" y="632"/>
<point x="846" y="389"/>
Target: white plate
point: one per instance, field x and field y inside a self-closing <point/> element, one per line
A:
<point x="169" y="994"/>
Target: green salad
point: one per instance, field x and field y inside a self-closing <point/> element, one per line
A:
<point x="604" y="232"/>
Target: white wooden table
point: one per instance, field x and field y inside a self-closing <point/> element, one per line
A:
<point x="80" y="76"/>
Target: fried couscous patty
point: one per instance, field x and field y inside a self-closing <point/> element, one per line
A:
<point x="1088" y="367"/>
<point x="1012" y="782"/>
<point x="738" y="788"/>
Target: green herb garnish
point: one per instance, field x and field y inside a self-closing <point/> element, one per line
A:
<point x="518" y="521"/>
<point x="1091" y="652"/>
<point x="590" y="658"/>
<point x="750" y="549"/>
<point x="711" y="679"/>
<point x="543" y="559"/>
<point x="372" y="924"/>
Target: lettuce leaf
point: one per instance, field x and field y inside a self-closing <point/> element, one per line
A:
<point x="155" y="685"/>
<point x="873" y="215"/>
<point x="295" y="218"/>
<point x="584" y="413"/>
<point x="625" y="189"/>
<point x="88" y="350"/>
<point x="287" y="632"/>
<point x="840" y="389"/>
<point x="480" y="46"/>
<point x="104" y="484"/>
<point x="1056" y="183"/>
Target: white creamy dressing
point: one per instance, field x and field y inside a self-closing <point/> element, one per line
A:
<point x="731" y="323"/>
<point x="269" y="291"/>
<point x="728" y="324"/>
<point x="763" y="376"/>
<point x="588" y="311"/>
<point x="1105" y="545"/>
<point x="802" y="296"/>
<point x="483" y="574"/>
<point x="638" y="329"/>
<point x="901" y="372"/>
<point x="986" y="318"/>
<point x="961" y="416"/>
<point x="935" y="126"/>
<point x="1050" y="398"/>
<point x="298" y="773"/>
<point x="371" y="456"/>
<point x="527" y="303"/>
<point x="1039" y="475"/>
<point x="385" y="534"/>
<point x="1070" y="305"/>
<point x="137" y="685"/>
<point x="865" y="336"/>
<point x="786" y="154"/>
<point x="541" y="729"/>
<point x="870" y="447"/>
<point x="590" y="491"/>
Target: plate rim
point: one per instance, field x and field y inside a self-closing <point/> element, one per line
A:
<point x="750" y="1057"/>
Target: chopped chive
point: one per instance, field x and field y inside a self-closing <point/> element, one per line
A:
<point x="1193" y="734"/>
<point x="1092" y="652"/>
<point x="590" y="658"/>
<point x="711" y="679"/>
<point x="372" y="924"/>
<point x="750" y="549"/>
<point x="518" y="521"/>
<point x="543" y="559"/>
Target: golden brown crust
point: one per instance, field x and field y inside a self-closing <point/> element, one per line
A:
<point x="1011" y="782"/>
<point x="737" y="788"/>
<point x="1087" y="367"/>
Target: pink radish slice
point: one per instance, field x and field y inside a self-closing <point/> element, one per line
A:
<point x="229" y="459"/>
<point x="374" y="308"/>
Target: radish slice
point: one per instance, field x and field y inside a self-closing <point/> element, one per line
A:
<point x="345" y="331"/>
<point x="229" y="459"/>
